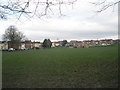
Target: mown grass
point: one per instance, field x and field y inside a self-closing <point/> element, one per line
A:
<point x="61" y="68"/>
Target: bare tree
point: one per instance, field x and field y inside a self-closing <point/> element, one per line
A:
<point x="39" y="8"/>
<point x="31" y="8"/>
<point x="105" y="4"/>
<point x="13" y="36"/>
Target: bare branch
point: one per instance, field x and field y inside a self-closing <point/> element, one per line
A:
<point x="32" y="7"/>
<point x="104" y="5"/>
<point x="11" y="9"/>
<point x="98" y="3"/>
<point x="107" y="6"/>
<point x="60" y="7"/>
<point x="35" y="9"/>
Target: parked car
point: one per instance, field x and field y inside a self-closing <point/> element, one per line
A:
<point x="22" y="49"/>
<point x="11" y="49"/>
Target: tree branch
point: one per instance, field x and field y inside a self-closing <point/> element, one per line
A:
<point x="104" y="6"/>
<point x="24" y="7"/>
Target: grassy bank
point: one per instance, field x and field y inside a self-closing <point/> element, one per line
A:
<point x="61" y="68"/>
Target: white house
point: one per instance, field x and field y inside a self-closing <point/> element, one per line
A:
<point x="3" y="45"/>
<point x="55" y="44"/>
<point x="22" y="45"/>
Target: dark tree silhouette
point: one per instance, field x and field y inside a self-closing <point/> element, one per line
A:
<point x="64" y="42"/>
<point x="47" y="43"/>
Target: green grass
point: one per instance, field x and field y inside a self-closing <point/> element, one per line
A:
<point x="61" y="68"/>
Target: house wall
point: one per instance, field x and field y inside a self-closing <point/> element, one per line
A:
<point x="55" y="44"/>
<point x="15" y="46"/>
<point x="36" y="45"/>
<point x="23" y="45"/>
<point x="3" y="46"/>
<point x="28" y="44"/>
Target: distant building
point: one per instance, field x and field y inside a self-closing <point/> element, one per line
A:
<point x="36" y="45"/>
<point x="117" y="41"/>
<point x="3" y="45"/>
<point x="56" y="44"/>
<point x="73" y="43"/>
<point x="15" y="44"/>
<point x="23" y="45"/>
<point x="28" y="44"/>
<point x="81" y="44"/>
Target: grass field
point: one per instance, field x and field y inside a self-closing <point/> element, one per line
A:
<point x="61" y="68"/>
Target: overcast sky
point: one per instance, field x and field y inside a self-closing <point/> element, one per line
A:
<point x="79" y="23"/>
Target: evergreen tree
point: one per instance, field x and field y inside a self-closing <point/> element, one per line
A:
<point x="47" y="43"/>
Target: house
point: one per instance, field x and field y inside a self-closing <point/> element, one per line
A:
<point x="84" y="45"/>
<point x="60" y="43"/>
<point x="3" y="45"/>
<point x="109" y="41"/>
<point x="106" y="42"/>
<point x="36" y="45"/>
<point x="73" y="43"/>
<point x="15" y="45"/>
<point x="55" y="44"/>
<point x="28" y="44"/>
<point x="87" y="41"/>
<point x="22" y="45"/>
<point x="117" y="41"/>
<point x="77" y="44"/>
<point x="93" y="43"/>
<point x="68" y="44"/>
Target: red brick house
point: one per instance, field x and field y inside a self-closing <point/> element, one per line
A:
<point x="28" y="44"/>
<point x="15" y="44"/>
